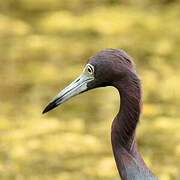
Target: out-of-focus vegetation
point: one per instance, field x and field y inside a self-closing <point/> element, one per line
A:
<point x="44" y="45"/>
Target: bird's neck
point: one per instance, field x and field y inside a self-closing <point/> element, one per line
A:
<point x="128" y="159"/>
<point x="124" y="125"/>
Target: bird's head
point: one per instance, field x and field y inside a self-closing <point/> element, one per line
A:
<point x="103" y="69"/>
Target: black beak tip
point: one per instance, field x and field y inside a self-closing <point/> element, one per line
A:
<point x="49" y="107"/>
<point x="44" y="111"/>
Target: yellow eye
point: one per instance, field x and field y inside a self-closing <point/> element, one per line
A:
<point x="90" y="69"/>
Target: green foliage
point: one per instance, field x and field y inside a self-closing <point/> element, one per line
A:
<point x="44" y="45"/>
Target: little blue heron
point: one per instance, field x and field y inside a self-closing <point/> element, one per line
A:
<point x="114" y="67"/>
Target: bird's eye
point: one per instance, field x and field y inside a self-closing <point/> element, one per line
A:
<point x="90" y="69"/>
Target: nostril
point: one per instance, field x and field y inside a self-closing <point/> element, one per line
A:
<point x="77" y="80"/>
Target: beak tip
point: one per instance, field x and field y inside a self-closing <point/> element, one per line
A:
<point x="49" y="107"/>
<point x="44" y="111"/>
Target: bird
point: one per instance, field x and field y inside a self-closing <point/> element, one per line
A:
<point x="114" y="67"/>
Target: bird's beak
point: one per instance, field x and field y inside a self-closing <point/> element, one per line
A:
<point x="78" y="86"/>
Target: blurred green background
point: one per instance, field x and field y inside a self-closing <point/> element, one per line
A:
<point x="44" y="44"/>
